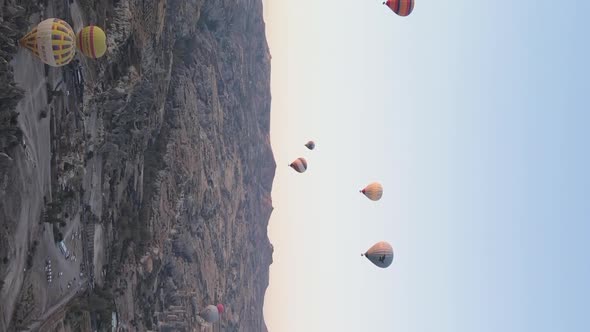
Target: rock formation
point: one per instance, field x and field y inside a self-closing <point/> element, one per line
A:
<point x="187" y="163"/>
<point x="174" y="124"/>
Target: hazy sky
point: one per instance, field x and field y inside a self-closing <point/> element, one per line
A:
<point x="474" y="116"/>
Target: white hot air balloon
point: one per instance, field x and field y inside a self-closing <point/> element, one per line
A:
<point x="52" y="41"/>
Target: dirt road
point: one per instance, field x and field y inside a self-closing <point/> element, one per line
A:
<point x="47" y="318"/>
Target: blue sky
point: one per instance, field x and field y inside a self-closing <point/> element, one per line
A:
<point x="474" y="117"/>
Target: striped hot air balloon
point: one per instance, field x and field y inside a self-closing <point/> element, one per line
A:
<point x="373" y="191"/>
<point x="52" y="41"/>
<point x="310" y="145"/>
<point x="380" y="254"/>
<point x="299" y="164"/>
<point x="400" y="7"/>
<point x="92" y="41"/>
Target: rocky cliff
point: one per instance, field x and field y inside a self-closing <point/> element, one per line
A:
<point x="187" y="167"/>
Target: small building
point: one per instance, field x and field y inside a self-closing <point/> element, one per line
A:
<point x="114" y="323"/>
<point x="63" y="249"/>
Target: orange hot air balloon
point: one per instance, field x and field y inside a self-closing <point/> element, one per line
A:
<point x="299" y="164"/>
<point x="400" y="7"/>
<point x="52" y="41"/>
<point x="373" y="191"/>
<point x="310" y="145"/>
<point x="380" y="254"/>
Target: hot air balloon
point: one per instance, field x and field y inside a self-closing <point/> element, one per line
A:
<point x="380" y="254"/>
<point x="310" y="145"/>
<point x="92" y="41"/>
<point x="299" y="164"/>
<point x="373" y="191"/>
<point x="400" y="7"/>
<point x="52" y="41"/>
<point x="211" y="313"/>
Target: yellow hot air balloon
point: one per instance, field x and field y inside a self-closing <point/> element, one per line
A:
<point x="52" y="41"/>
<point x="92" y="41"/>
<point x="299" y="164"/>
<point x="373" y="191"/>
<point x="380" y="254"/>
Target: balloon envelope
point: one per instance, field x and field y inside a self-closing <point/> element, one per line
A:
<point x="310" y="145"/>
<point x="373" y="191"/>
<point x="92" y="41"/>
<point x="401" y="7"/>
<point x="299" y="165"/>
<point x="380" y="254"/>
<point x="211" y="313"/>
<point x="52" y="41"/>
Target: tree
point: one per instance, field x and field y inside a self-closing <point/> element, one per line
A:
<point x="29" y="261"/>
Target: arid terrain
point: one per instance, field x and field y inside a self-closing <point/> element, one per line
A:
<point x="152" y="164"/>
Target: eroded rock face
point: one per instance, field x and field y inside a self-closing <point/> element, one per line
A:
<point x="184" y="101"/>
<point x="12" y="22"/>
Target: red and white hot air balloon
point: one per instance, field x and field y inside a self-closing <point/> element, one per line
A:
<point x="211" y="313"/>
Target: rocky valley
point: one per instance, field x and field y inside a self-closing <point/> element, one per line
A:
<point x="159" y="169"/>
